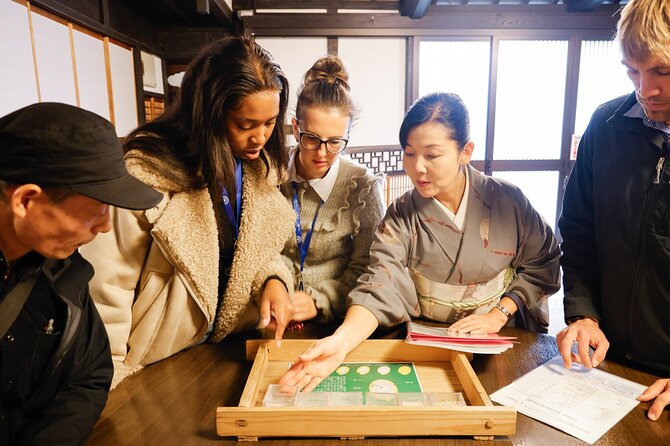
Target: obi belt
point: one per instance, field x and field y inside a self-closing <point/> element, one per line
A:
<point x="446" y="302"/>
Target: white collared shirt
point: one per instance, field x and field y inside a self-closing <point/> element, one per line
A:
<point x="459" y="217"/>
<point x="322" y="186"/>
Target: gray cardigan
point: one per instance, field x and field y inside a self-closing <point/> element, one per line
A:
<point x="340" y="247"/>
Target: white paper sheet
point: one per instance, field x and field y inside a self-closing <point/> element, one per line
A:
<point x="583" y="403"/>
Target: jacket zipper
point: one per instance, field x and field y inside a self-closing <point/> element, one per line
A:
<point x="659" y="169"/>
<point x="651" y="198"/>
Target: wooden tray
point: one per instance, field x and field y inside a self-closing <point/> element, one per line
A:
<point x="439" y="370"/>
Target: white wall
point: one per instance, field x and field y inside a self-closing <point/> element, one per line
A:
<point x="54" y="60"/>
<point x="68" y="62"/>
<point x="18" y="86"/>
<point x="91" y="73"/>
<point x="295" y="55"/>
<point x="377" y="86"/>
<point x="123" y="89"/>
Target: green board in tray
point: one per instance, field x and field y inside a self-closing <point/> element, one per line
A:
<point x="378" y="377"/>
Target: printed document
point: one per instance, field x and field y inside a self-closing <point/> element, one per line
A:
<point x="581" y="402"/>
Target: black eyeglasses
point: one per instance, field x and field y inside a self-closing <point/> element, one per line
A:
<point x="311" y="141"/>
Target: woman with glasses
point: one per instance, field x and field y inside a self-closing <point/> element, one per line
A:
<point x="337" y="202"/>
<point x="461" y="247"/>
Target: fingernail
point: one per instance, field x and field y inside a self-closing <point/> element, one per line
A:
<point x="653" y="416"/>
<point x="278" y="343"/>
<point x="595" y="363"/>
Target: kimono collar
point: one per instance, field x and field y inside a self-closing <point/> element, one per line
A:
<point x="322" y="186"/>
<point x="459" y="217"/>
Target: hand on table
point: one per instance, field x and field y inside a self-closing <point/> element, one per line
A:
<point x="660" y="393"/>
<point x="276" y="308"/>
<point x="316" y="363"/>
<point x="304" y="305"/>
<point x="585" y="332"/>
<point x="480" y="323"/>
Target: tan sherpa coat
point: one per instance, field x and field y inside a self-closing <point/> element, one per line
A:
<point x="156" y="281"/>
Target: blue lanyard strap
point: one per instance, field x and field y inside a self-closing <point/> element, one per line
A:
<point x="234" y="218"/>
<point x="303" y="244"/>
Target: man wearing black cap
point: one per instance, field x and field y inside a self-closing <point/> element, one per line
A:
<point x="60" y="169"/>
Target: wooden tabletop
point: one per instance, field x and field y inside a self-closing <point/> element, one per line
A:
<point x="174" y="402"/>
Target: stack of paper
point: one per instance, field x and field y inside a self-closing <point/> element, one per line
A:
<point x="441" y="337"/>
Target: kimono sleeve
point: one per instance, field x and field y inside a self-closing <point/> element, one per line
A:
<point x="536" y="263"/>
<point x="386" y="288"/>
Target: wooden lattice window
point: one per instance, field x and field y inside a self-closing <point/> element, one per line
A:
<point x="153" y="107"/>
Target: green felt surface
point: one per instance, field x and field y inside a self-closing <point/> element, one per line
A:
<point x="381" y="377"/>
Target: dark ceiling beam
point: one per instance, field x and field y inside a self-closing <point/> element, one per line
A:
<point x="176" y="7"/>
<point x="218" y="9"/>
<point x="180" y="45"/>
<point x="581" y="5"/>
<point x="202" y="6"/>
<point x="100" y="25"/>
<point x="437" y="20"/>
<point x="414" y="9"/>
<point x="315" y="4"/>
<point x="222" y="12"/>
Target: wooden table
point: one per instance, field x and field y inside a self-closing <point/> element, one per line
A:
<point x="174" y="401"/>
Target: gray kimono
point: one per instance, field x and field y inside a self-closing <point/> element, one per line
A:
<point x="421" y="264"/>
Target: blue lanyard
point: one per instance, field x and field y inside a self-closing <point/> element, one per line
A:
<point x="303" y="245"/>
<point x="234" y="218"/>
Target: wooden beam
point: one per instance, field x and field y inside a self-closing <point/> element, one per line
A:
<point x="101" y="25"/>
<point x="104" y="12"/>
<point x="221" y="12"/>
<point x="177" y="8"/>
<point x="217" y="8"/>
<point x="332" y="46"/>
<point x="581" y="5"/>
<point x="202" y="6"/>
<point x="471" y="18"/>
<point x="315" y="4"/>
<point x="414" y="9"/>
<point x="139" y="85"/>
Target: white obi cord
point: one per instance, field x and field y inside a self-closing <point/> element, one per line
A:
<point x="447" y="302"/>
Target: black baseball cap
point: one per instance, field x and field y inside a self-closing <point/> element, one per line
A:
<point x="57" y="145"/>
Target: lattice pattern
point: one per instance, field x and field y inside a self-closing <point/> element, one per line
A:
<point x="395" y="186"/>
<point x="153" y="107"/>
<point x="383" y="160"/>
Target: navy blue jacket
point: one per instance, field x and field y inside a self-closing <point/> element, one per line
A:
<point x="616" y="235"/>
<point x="54" y="378"/>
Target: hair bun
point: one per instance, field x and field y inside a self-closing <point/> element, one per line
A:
<point x="329" y="69"/>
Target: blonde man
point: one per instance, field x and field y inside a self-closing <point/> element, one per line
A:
<point x="616" y="215"/>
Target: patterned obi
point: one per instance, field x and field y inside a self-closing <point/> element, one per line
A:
<point x="446" y="302"/>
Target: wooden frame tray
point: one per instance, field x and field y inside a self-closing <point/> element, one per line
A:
<point x="440" y="370"/>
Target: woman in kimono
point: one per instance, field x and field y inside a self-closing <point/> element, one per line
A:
<point x="461" y="247"/>
<point x="338" y="203"/>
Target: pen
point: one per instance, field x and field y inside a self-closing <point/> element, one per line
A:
<point x="49" y="328"/>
